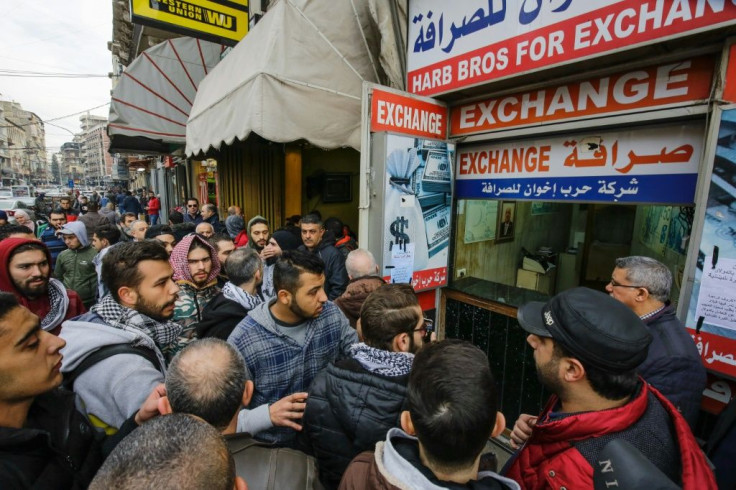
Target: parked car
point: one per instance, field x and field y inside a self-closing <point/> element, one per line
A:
<point x="11" y="205"/>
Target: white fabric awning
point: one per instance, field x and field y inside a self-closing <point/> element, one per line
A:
<point x="298" y="75"/>
<point x="151" y="102"/>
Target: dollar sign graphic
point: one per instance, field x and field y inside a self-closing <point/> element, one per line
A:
<point x="397" y="230"/>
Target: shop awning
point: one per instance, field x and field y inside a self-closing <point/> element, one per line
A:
<point x="151" y="102"/>
<point x="299" y="73"/>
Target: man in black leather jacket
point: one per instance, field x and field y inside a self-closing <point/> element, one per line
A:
<point x="355" y="401"/>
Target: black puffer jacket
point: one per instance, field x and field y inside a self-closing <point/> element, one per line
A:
<point x="348" y="410"/>
<point x="57" y="448"/>
<point x="220" y="317"/>
<point x="336" y="276"/>
<point x="673" y="364"/>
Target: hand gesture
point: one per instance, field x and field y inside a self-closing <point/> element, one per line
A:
<point x="522" y="430"/>
<point x="289" y="409"/>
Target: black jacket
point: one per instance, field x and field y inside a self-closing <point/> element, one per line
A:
<point x="673" y="364"/>
<point x="348" y="410"/>
<point x="336" y="276"/>
<point x="58" y="448"/>
<point x="220" y="317"/>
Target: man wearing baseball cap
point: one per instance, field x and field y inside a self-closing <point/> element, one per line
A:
<point x="587" y="347"/>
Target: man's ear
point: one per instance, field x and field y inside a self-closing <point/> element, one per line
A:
<point x="240" y="483"/>
<point x="406" y="424"/>
<point x="573" y="369"/>
<point x="401" y="343"/>
<point x="128" y="296"/>
<point x="164" y="407"/>
<point x="642" y="295"/>
<point x="248" y="392"/>
<point x="283" y="296"/>
<point x="500" y="424"/>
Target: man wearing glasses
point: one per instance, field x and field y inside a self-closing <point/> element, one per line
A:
<point x="673" y="364"/>
<point x="355" y="400"/>
<point x="192" y="214"/>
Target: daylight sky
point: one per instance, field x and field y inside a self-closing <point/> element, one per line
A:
<point x="60" y="36"/>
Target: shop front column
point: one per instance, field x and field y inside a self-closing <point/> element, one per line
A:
<point x="293" y="180"/>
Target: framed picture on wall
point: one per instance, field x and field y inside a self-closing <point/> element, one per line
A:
<point x="506" y="221"/>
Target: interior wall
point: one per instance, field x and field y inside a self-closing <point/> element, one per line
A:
<point x="344" y="160"/>
<point x="498" y="262"/>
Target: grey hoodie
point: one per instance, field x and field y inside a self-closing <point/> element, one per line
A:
<point x="401" y="473"/>
<point x="113" y="389"/>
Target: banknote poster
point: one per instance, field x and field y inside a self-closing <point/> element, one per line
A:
<point x="418" y="209"/>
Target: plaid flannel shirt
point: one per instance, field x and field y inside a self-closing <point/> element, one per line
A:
<point x="279" y="366"/>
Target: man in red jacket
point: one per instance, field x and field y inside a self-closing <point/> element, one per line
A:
<point x="587" y="347"/>
<point x="25" y="271"/>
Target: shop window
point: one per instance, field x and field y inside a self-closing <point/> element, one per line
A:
<point x="518" y="251"/>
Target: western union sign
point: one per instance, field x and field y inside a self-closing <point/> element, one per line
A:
<point x="223" y="21"/>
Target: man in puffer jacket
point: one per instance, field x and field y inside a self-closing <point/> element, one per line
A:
<point x="321" y="243"/>
<point x="196" y="267"/>
<point x="354" y="402"/>
<point x="74" y="266"/>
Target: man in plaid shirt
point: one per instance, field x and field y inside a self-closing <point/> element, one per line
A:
<point x="286" y="342"/>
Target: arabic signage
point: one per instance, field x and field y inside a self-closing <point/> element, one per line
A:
<point x="660" y="86"/>
<point x="453" y="46"/>
<point x="221" y="21"/>
<point x="391" y="111"/>
<point x="712" y="308"/>
<point x="645" y="165"/>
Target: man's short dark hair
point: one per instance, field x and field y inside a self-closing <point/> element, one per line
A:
<point x="128" y="215"/>
<point x="387" y="312"/>
<point x="217" y="238"/>
<point x="8" y="302"/>
<point x="65" y="198"/>
<point x="169" y="452"/>
<point x="157" y="230"/>
<point x="335" y="226"/>
<point x="57" y="211"/>
<point x="611" y="386"/>
<point x="176" y="217"/>
<point x="110" y="233"/>
<point x="242" y="264"/>
<point x="120" y="265"/>
<point x="292" y="264"/>
<point x="193" y="199"/>
<point x="92" y="206"/>
<point x="13" y="229"/>
<point x="452" y="401"/>
<point x="207" y="379"/>
<point x="209" y="207"/>
<point x="312" y="219"/>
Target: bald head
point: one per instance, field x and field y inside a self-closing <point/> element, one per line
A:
<point x="205" y="229"/>
<point x="359" y="263"/>
<point x="207" y="379"/>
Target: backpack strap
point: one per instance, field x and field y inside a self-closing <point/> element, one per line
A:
<point x="105" y="352"/>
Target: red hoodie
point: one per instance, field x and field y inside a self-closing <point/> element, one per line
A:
<point x="40" y="306"/>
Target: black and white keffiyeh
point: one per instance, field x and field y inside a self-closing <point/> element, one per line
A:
<point x="59" y="302"/>
<point x="244" y="299"/>
<point x="164" y="334"/>
<point x="383" y="362"/>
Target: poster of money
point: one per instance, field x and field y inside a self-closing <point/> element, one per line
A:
<point x="417" y="207"/>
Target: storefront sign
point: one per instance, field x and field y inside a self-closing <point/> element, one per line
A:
<point x="712" y="306"/>
<point x="397" y="113"/>
<point x="652" y="164"/>
<point x="729" y="86"/>
<point x="223" y="21"/>
<point x="453" y="46"/>
<point x="664" y="85"/>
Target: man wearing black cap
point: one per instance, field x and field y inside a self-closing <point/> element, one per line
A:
<point x="587" y="347"/>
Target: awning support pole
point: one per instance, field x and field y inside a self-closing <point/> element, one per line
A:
<point x="293" y="180"/>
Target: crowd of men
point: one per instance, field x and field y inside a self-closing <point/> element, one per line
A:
<point x="145" y="355"/>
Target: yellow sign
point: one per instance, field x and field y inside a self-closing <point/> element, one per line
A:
<point x="223" y="21"/>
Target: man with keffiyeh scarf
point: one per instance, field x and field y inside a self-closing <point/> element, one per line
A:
<point x="137" y="313"/>
<point x="196" y="267"/>
<point x="25" y="271"/>
<point x="354" y="401"/>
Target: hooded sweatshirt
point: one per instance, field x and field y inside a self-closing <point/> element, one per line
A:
<point x="53" y="308"/>
<point x="113" y="389"/>
<point x="192" y="298"/>
<point x="286" y="241"/>
<point x="75" y="268"/>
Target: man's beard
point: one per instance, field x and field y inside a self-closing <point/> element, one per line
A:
<point x="298" y="311"/>
<point x="548" y="377"/>
<point x="152" y="310"/>
<point x="34" y="292"/>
